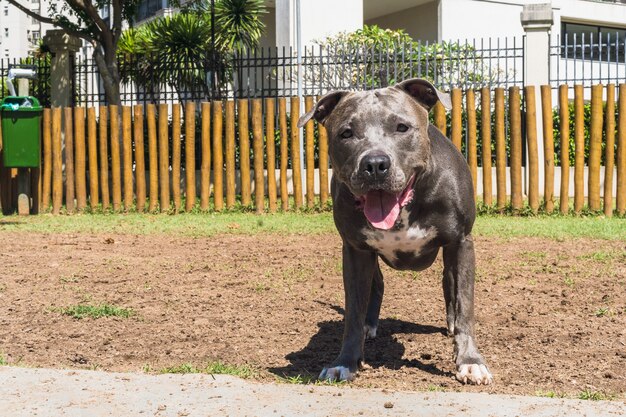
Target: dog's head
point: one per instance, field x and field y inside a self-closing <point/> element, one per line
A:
<point x="378" y="142"/>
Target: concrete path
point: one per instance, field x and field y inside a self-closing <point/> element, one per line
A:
<point x="45" y="392"/>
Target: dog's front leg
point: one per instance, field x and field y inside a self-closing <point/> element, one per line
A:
<point x="358" y="272"/>
<point x="459" y="265"/>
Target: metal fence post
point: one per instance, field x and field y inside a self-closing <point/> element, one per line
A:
<point x="537" y="20"/>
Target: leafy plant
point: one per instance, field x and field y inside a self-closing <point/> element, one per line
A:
<point x="178" y="51"/>
<point x="95" y="312"/>
<point x="375" y="57"/>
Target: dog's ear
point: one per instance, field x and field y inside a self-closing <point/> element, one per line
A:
<point x="323" y="108"/>
<point x="425" y="93"/>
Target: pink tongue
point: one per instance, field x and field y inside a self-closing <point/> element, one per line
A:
<point x="381" y="209"/>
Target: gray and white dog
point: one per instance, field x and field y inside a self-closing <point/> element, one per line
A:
<point x="401" y="191"/>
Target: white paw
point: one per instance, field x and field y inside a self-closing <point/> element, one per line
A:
<point x="370" y="332"/>
<point x="338" y="373"/>
<point x="474" y="374"/>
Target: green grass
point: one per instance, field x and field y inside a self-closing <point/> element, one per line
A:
<point x="3" y="361"/>
<point x="594" y="395"/>
<point x="549" y="394"/>
<point x="203" y="225"/>
<point x="308" y="380"/>
<point x="216" y="368"/>
<point x="80" y="311"/>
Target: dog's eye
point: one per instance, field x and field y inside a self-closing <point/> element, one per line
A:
<point x="346" y="133"/>
<point x="402" y="127"/>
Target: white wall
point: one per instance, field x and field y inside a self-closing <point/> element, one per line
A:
<point x="461" y="19"/>
<point x="320" y="18"/>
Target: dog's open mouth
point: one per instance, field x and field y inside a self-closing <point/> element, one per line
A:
<point x="382" y="208"/>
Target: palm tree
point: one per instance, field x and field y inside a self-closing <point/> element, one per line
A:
<point x="177" y="50"/>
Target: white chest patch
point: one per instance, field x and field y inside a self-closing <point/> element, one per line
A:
<point x="407" y="239"/>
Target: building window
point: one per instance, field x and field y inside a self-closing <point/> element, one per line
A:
<point x="6" y="12"/>
<point x="148" y="8"/>
<point x="36" y="36"/>
<point x="594" y="42"/>
<point x="6" y="32"/>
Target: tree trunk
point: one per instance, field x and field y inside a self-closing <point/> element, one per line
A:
<point x="107" y="66"/>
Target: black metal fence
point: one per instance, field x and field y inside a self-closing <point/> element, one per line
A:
<point x="587" y="59"/>
<point x="274" y="72"/>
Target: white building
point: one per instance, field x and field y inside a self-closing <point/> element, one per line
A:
<point x="435" y="20"/>
<point x="19" y="33"/>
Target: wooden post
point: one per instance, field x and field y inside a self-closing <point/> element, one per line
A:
<point x="176" y="157"/>
<point x="595" y="147"/>
<point x="244" y="151"/>
<point x="92" y="141"/>
<point x="218" y="157"/>
<point x="295" y="152"/>
<point x="205" y="168"/>
<point x="153" y="157"/>
<point x="310" y="156"/>
<point x="500" y="151"/>
<point x="164" y="158"/>
<point x="231" y="184"/>
<point x="485" y="133"/>
<point x="439" y="116"/>
<point x="270" y="135"/>
<point x="140" y="162"/>
<point x="127" y="153"/>
<point x="457" y="122"/>
<point x="80" y="158"/>
<point x="470" y="103"/>
<point x="190" y="156"/>
<point x="116" y="174"/>
<point x="533" y="149"/>
<point x="69" y="160"/>
<point x="47" y="160"/>
<point x="579" y="148"/>
<point x="57" y="162"/>
<point x="257" y="135"/>
<point x="564" y="133"/>
<point x="621" y="152"/>
<point x="515" y="120"/>
<point x="284" y="152"/>
<point x="609" y="156"/>
<point x="548" y="147"/>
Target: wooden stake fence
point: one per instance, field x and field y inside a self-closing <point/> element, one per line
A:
<point x="533" y="148"/>
<point x="548" y="148"/>
<point x="230" y="155"/>
<point x="190" y="156"/>
<point x="270" y="134"/>
<point x="579" y="148"/>
<point x="140" y="162"/>
<point x="515" y="119"/>
<point x="485" y="107"/>
<point x="564" y="134"/>
<point x="176" y="157"/>
<point x="225" y="127"/>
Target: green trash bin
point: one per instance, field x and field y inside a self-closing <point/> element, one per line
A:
<point x="21" y="132"/>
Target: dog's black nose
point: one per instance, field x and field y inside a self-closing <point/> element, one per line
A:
<point x="375" y="166"/>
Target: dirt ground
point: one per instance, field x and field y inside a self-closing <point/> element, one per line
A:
<point x="551" y="316"/>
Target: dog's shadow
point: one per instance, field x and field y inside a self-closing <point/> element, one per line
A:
<point x="383" y="351"/>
